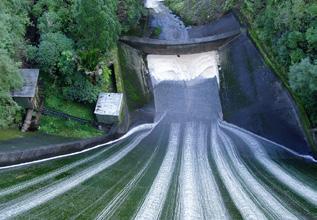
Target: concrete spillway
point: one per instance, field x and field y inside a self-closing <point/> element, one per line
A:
<point x="188" y="164"/>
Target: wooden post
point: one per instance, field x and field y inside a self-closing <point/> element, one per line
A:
<point x="27" y="121"/>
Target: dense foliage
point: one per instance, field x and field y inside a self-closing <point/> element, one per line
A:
<point x="77" y="39"/>
<point x="289" y="30"/>
<point x="303" y="80"/>
<point x="71" y="41"/>
<point x="197" y="11"/>
<point x="13" y="19"/>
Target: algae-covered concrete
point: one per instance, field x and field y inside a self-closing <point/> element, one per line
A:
<point x="134" y="76"/>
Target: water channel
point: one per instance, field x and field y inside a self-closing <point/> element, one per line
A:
<point x="188" y="164"/>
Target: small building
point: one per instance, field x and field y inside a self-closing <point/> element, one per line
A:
<point x="26" y="96"/>
<point x="109" y="108"/>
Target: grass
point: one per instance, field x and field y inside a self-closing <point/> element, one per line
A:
<point x="59" y="126"/>
<point x="67" y="128"/>
<point x="52" y="100"/>
<point x="11" y="133"/>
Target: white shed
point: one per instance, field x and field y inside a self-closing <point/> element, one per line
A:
<point x="109" y="108"/>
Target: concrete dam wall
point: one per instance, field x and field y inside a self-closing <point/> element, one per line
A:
<point x="252" y="95"/>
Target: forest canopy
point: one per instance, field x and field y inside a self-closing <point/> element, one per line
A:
<point x="71" y="41"/>
<point x="13" y="21"/>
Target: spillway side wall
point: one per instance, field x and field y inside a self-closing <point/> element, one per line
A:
<point x="254" y="98"/>
<point x="134" y="75"/>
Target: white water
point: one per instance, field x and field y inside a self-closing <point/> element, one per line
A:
<point x="210" y="195"/>
<point x="266" y="198"/>
<point x="155" y="199"/>
<point x="183" y="67"/>
<point x="15" y="208"/>
<point x="154" y="4"/>
<point x="199" y="195"/>
<point x="170" y="26"/>
<point x="244" y="203"/>
<point x="189" y="204"/>
<point x="112" y="206"/>
<point x="300" y="188"/>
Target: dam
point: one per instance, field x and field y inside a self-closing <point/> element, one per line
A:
<point x="188" y="164"/>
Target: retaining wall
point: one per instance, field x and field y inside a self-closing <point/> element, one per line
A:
<point x="47" y="151"/>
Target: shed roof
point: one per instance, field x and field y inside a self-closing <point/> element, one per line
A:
<point x="109" y="104"/>
<point x="30" y="78"/>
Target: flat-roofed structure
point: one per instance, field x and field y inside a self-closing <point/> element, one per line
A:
<point x="25" y="96"/>
<point x="109" y="108"/>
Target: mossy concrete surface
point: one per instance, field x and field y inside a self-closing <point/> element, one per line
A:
<point x="133" y="74"/>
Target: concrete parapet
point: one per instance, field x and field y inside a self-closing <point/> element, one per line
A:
<point x="190" y="46"/>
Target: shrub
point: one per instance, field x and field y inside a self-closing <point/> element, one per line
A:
<point x="303" y="80"/>
<point x="51" y="47"/>
<point x="97" y="25"/>
<point x="9" y="79"/>
<point x="49" y="22"/>
<point x="81" y="89"/>
<point x="129" y="12"/>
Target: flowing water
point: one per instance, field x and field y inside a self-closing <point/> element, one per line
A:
<point x="188" y="164"/>
<point x="170" y="26"/>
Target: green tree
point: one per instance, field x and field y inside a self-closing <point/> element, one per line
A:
<point x="10" y="79"/>
<point x="129" y="12"/>
<point x="13" y="21"/>
<point x="97" y="25"/>
<point x="77" y="38"/>
<point x="50" y="21"/>
<point x="303" y="80"/>
<point x="311" y="37"/>
<point x="51" y="47"/>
